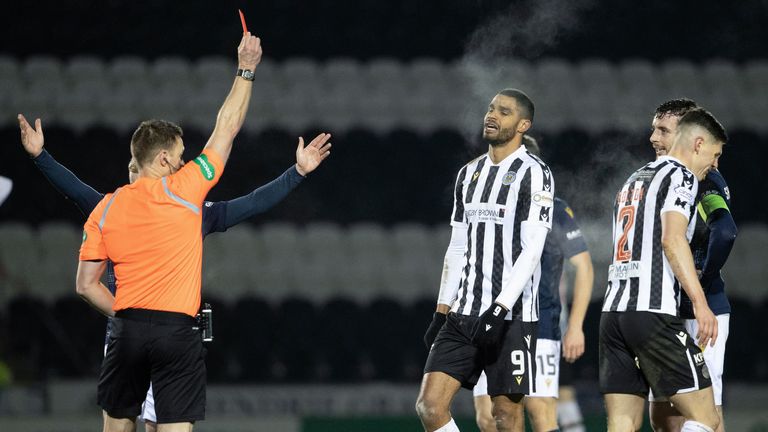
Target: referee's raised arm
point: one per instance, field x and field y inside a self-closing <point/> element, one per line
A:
<point x="232" y="113"/>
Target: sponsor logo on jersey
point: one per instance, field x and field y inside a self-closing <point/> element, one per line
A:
<point x="208" y="204"/>
<point x="682" y="337"/>
<point x="684" y="194"/>
<point x="527" y="340"/>
<point x="509" y="178"/>
<point x="569" y="211"/>
<point x="485" y="214"/>
<point x="548" y="381"/>
<point x="727" y="193"/>
<point x="475" y="175"/>
<point x="519" y="379"/>
<point x="205" y="167"/>
<point x="625" y="270"/>
<point x="570" y="235"/>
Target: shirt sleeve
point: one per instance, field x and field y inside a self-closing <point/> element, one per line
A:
<point x="193" y="181"/>
<point x="713" y="195"/>
<point x="214" y="217"/>
<point x="540" y="191"/>
<point x="64" y="181"/>
<point x="93" y="248"/>
<point x="681" y="193"/>
<point x="569" y="233"/>
<point x="458" y="219"/>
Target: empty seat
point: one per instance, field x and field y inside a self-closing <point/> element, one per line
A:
<point x="59" y="244"/>
<point x="82" y="69"/>
<point x="681" y="78"/>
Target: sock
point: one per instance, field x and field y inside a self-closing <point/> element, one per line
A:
<point x="692" y="426"/>
<point x="449" y="427"/>
<point x="569" y="417"/>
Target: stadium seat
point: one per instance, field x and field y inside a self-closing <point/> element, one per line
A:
<point x="19" y="255"/>
<point x="59" y="248"/>
<point x="253" y="325"/>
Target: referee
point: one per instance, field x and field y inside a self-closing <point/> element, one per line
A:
<point x="501" y="216"/>
<point x="643" y="340"/>
<point x="151" y="230"/>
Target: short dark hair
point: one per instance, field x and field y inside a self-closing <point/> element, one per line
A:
<point x="675" y="107"/>
<point x="523" y="102"/>
<point x="152" y="136"/>
<point x="531" y="145"/>
<point x="705" y="119"/>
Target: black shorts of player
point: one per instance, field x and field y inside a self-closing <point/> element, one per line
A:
<point x="157" y="346"/>
<point x="567" y="370"/>
<point x="510" y="368"/>
<point x="639" y="350"/>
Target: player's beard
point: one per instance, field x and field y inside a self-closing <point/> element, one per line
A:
<point x="502" y="137"/>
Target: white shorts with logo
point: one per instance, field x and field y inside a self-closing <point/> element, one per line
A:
<point x="547" y="371"/>
<point x="714" y="356"/>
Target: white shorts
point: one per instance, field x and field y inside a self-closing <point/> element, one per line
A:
<point x="148" y="407"/>
<point x="714" y="356"/>
<point x="547" y="371"/>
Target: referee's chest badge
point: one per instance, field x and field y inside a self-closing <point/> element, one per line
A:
<point x="509" y="178"/>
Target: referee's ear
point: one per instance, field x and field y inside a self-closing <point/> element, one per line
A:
<point x="523" y="125"/>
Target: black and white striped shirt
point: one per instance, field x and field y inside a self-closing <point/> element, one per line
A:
<point x="641" y="278"/>
<point x="492" y="201"/>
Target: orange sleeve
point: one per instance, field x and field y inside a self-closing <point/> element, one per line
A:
<point x="93" y="248"/>
<point x="193" y="181"/>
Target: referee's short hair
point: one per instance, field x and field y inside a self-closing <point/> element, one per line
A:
<point x="675" y="107"/>
<point x="524" y="103"/>
<point x="152" y="136"/>
<point x="705" y="119"/>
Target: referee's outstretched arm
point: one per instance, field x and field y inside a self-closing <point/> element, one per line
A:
<point x="232" y="113"/>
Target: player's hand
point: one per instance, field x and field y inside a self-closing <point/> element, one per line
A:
<point x="573" y="344"/>
<point x="249" y="52"/>
<point x="438" y="319"/>
<point x="31" y="139"/>
<point x="707" y="325"/>
<point x="310" y="157"/>
<point x="490" y="327"/>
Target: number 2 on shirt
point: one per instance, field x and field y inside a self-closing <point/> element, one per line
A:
<point x="626" y="219"/>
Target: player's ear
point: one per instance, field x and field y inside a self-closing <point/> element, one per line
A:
<point x="697" y="143"/>
<point x="523" y="125"/>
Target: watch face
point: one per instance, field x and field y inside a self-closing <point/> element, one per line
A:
<point x="248" y="74"/>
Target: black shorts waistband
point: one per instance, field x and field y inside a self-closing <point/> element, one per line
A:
<point x="155" y="316"/>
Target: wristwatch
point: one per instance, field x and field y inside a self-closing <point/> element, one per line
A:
<point x="247" y="74"/>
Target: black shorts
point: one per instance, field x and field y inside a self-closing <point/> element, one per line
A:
<point x="639" y="350"/>
<point x="510" y="369"/>
<point x="566" y="372"/>
<point x="156" y="346"/>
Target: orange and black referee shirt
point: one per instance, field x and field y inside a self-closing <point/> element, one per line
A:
<point x="151" y="230"/>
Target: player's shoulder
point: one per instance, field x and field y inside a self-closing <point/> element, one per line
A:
<point x="716" y="177"/>
<point x="534" y="161"/>
<point x="475" y="161"/>
<point x="714" y="184"/>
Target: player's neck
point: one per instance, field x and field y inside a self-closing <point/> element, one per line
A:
<point x="499" y="153"/>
